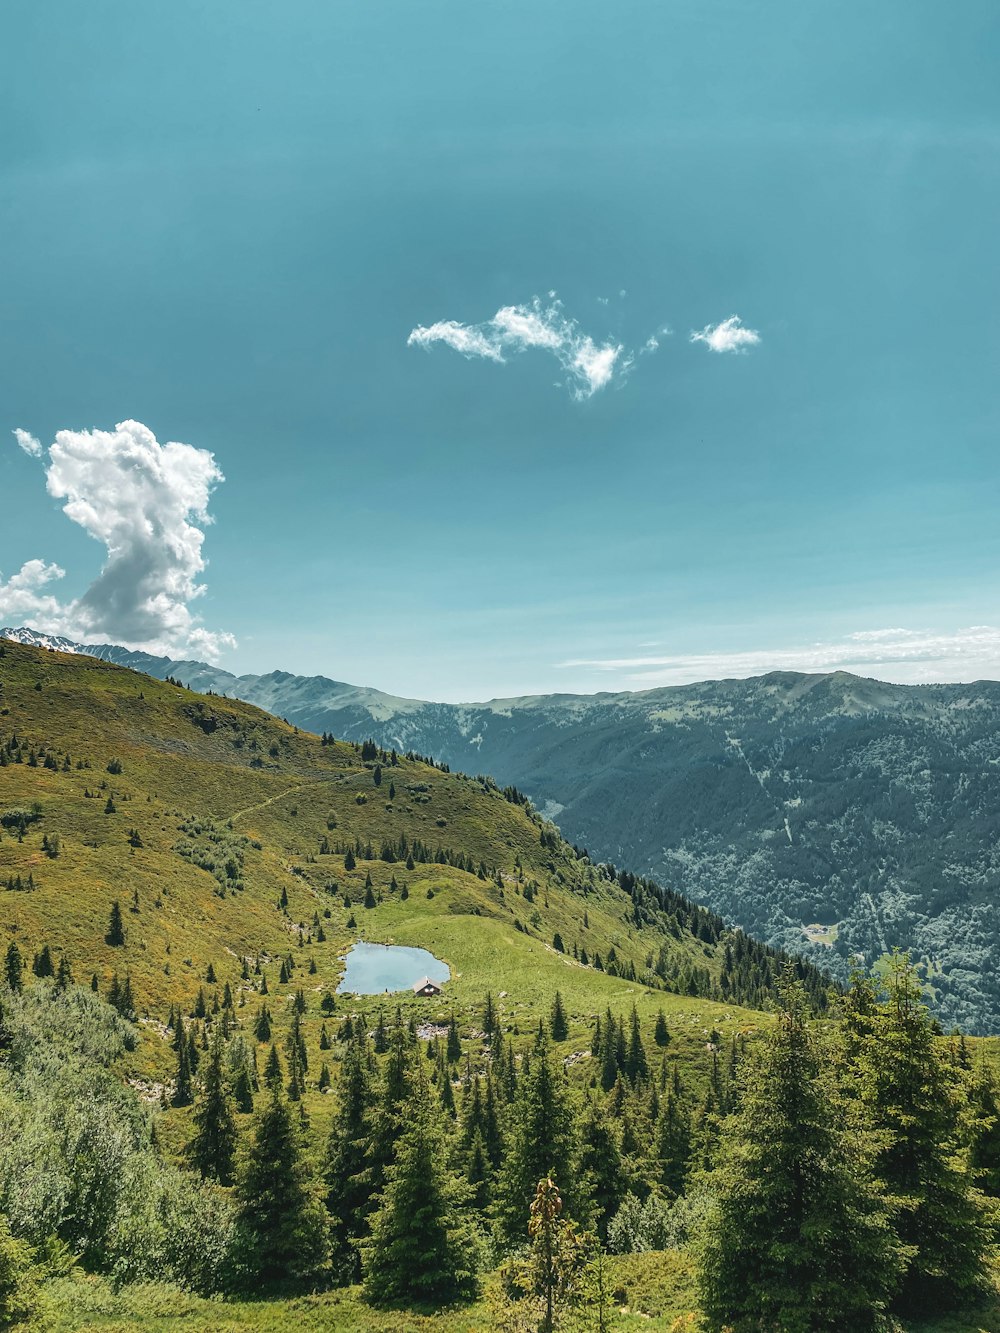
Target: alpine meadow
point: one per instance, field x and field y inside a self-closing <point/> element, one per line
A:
<point x="499" y="667"/>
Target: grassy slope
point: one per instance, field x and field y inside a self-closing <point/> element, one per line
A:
<point x="657" y="1293"/>
<point x="173" y="770"/>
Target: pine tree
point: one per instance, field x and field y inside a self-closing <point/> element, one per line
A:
<point x="799" y="1237"/>
<point x="422" y="1249"/>
<point x="913" y="1099"/>
<point x="43" y="965"/>
<point x="348" y="1179"/>
<point x="601" y="1168"/>
<point x="282" y="1223"/>
<point x="213" y="1148"/>
<point x="558" y="1024"/>
<point x="984" y="1148"/>
<point x="454" y="1047"/>
<point x="116" y="928"/>
<point x="14" y="968"/>
<point x="183" y="1087"/>
<point x="542" y="1134"/>
<point x="661" y="1034"/>
<point x="390" y="1110"/>
<point x="636" y="1066"/>
<point x="672" y="1145"/>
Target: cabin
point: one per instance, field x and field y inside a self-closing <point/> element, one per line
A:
<point x="426" y="987"/>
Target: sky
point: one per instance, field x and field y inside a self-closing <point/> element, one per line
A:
<point x="482" y="350"/>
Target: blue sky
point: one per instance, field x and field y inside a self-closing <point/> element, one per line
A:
<point x="224" y="220"/>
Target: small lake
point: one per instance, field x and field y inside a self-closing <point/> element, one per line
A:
<point x="373" y="969"/>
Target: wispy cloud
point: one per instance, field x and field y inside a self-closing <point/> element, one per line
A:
<point x="590" y="365"/>
<point x="147" y="504"/>
<point x="28" y="442"/>
<point x="904" y="656"/>
<point x="729" y="336"/>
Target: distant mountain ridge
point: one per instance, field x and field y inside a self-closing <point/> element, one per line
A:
<point x="845" y="812"/>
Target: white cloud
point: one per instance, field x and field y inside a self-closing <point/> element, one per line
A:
<point x="461" y="337"/>
<point x="729" y="336"/>
<point x="21" y="595"/>
<point x="518" y="328"/>
<point x="28" y="442"/>
<point x="904" y="656"/>
<point x="147" y="503"/>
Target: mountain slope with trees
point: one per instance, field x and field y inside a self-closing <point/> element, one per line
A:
<point x="188" y="1106"/>
<point x="824" y="813"/>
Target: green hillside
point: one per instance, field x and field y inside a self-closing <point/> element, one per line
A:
<point x="204" y="868"/>
<point x="218" y="814"/>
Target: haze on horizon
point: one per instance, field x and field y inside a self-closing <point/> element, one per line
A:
<point x="476" y="353"/>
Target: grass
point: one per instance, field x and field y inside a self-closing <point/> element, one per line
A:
<point x="204" y="779"/>
<point x="653" y="1291"/>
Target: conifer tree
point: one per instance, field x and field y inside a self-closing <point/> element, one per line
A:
<point x="601" y="1167"/>
<point x="183" y="1089"/>
<point x="558" y="1024"/>
<point x="243" y="1091"/>
<point x="387" y="1115"/>
<point x="799" y="1237"/>
<point x="348" y="1179"/>
<point x="422" y="1249"/>
<point x="116" y="927"/>
<point x="542" y="1134"/>
<point x="913" y="1099"/>
<point x="282" y="1223"/>
<point x="272" y="1070"/>
<point x="454" y="1047"/>
<point x="672" y="1145"/>
<point x="636" y="1066"/>
<point x="43" y="965"/>
<point x="984" y="1148"/>
<point x="661" y="1034"/>
<point x="14" y="968"/>
<point x="213" y="1148"/>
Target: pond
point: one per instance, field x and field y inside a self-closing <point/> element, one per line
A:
<point x="375" y="968"/>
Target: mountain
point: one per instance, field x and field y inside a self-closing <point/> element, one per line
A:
<point x="224" y="833"/>
<point x="828" y="813"/>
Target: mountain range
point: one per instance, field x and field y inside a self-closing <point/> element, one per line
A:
<point x="828" y="814"/>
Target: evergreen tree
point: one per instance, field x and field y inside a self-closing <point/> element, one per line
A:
<point x="422" y="1249"/>
<point x="661" y="1034"/>
<point x="542" y="1133"/>
<point x="272" y="1070"/>
<point x="388" y="1114"/>
<point x="673" y="1145"/>
<point x="913" y="1100"/>
<point x="282" y="1223"/>
<point x="601" y="1167"/>
<point x="636" y="1066"/>
<point x="348" y="1179"/>
<point x="984" y="1148"/>
<point x="213" y="1148"/>
<point x="14" y="968"/>
<point x="243" y="1091"/>
<point x="799" y="1238"/>
<point x="43" y="965"/>
<point x="183" y="1087"/>
<point x="116" y="927"/>
<point x="558" y="1024"/>
<point x="454" y="1047"/>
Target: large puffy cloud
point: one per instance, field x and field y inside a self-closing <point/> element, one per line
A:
<point x="147" y="504"/>
<point x="589" y="365"/>
<point x="729" y="336"/>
